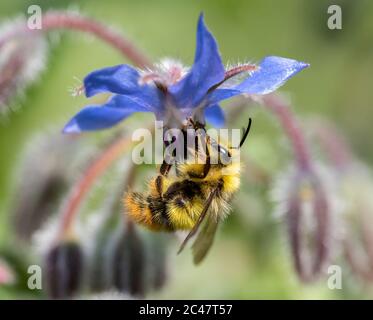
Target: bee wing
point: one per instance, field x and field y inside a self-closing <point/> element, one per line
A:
<point x="205" y="239"/>
<point x="201" y="218"/>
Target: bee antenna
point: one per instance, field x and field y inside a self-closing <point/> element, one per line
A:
<point x="246" y="133"/>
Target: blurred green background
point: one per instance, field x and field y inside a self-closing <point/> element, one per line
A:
<point x="250" y="258"/>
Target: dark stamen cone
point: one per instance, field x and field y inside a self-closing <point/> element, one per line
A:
<point x="64" y="270"/>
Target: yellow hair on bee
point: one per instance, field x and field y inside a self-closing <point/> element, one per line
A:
<point x="192" y="169"/>
<point x="231" y="177"/>
<point x="221" y="176"/>
<point x="184" y="214"/>
<point x="152" y="185"/>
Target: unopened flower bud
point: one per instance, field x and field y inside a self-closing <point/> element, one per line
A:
<point x="42" y="179"/>
<point x="156" y="253"/>
<point x="22" y="58"/>
<point x="129" y="263"/>
<point x="64" y="270"/>
<point x="6" y="273"/>
<point x="101" y="266"/>
<point x="304" y="198"/>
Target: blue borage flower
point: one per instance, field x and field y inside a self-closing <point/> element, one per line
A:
<point x="172" y="93"/>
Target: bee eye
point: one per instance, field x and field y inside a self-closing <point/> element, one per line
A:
<point x="224" y="154"/>
<point x="214" y="144"/>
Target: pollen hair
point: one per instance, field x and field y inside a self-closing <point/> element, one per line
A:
<point x="138" y="209"/>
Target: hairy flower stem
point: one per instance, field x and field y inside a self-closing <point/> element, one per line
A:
<point x="290" y="125"/>
<point x="59" y="20"/>
<point x="63" y="20"/>
<point x="94" y="171"/>
<point x="333" y="143"/>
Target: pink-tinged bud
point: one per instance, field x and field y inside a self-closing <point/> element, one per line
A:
<point x="305" y="199"/>
<point x="22" y="58"/>
<point x="6" y="274"/>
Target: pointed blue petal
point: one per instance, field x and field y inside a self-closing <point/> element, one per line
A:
<point x="121" y="79"/>
<point x="214" y="115"/>
<point x="124" y="80"/>
<point x="273" y="72"/>
<point x="96" y="117"/>
<point x="206" y="71"/>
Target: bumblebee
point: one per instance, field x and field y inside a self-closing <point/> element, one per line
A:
<point x="196" y="199"/>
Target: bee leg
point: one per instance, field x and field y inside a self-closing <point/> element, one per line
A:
<point x="207" y="166"/>
<point x="159" y="185"/>
<point x="165" y="168"/>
